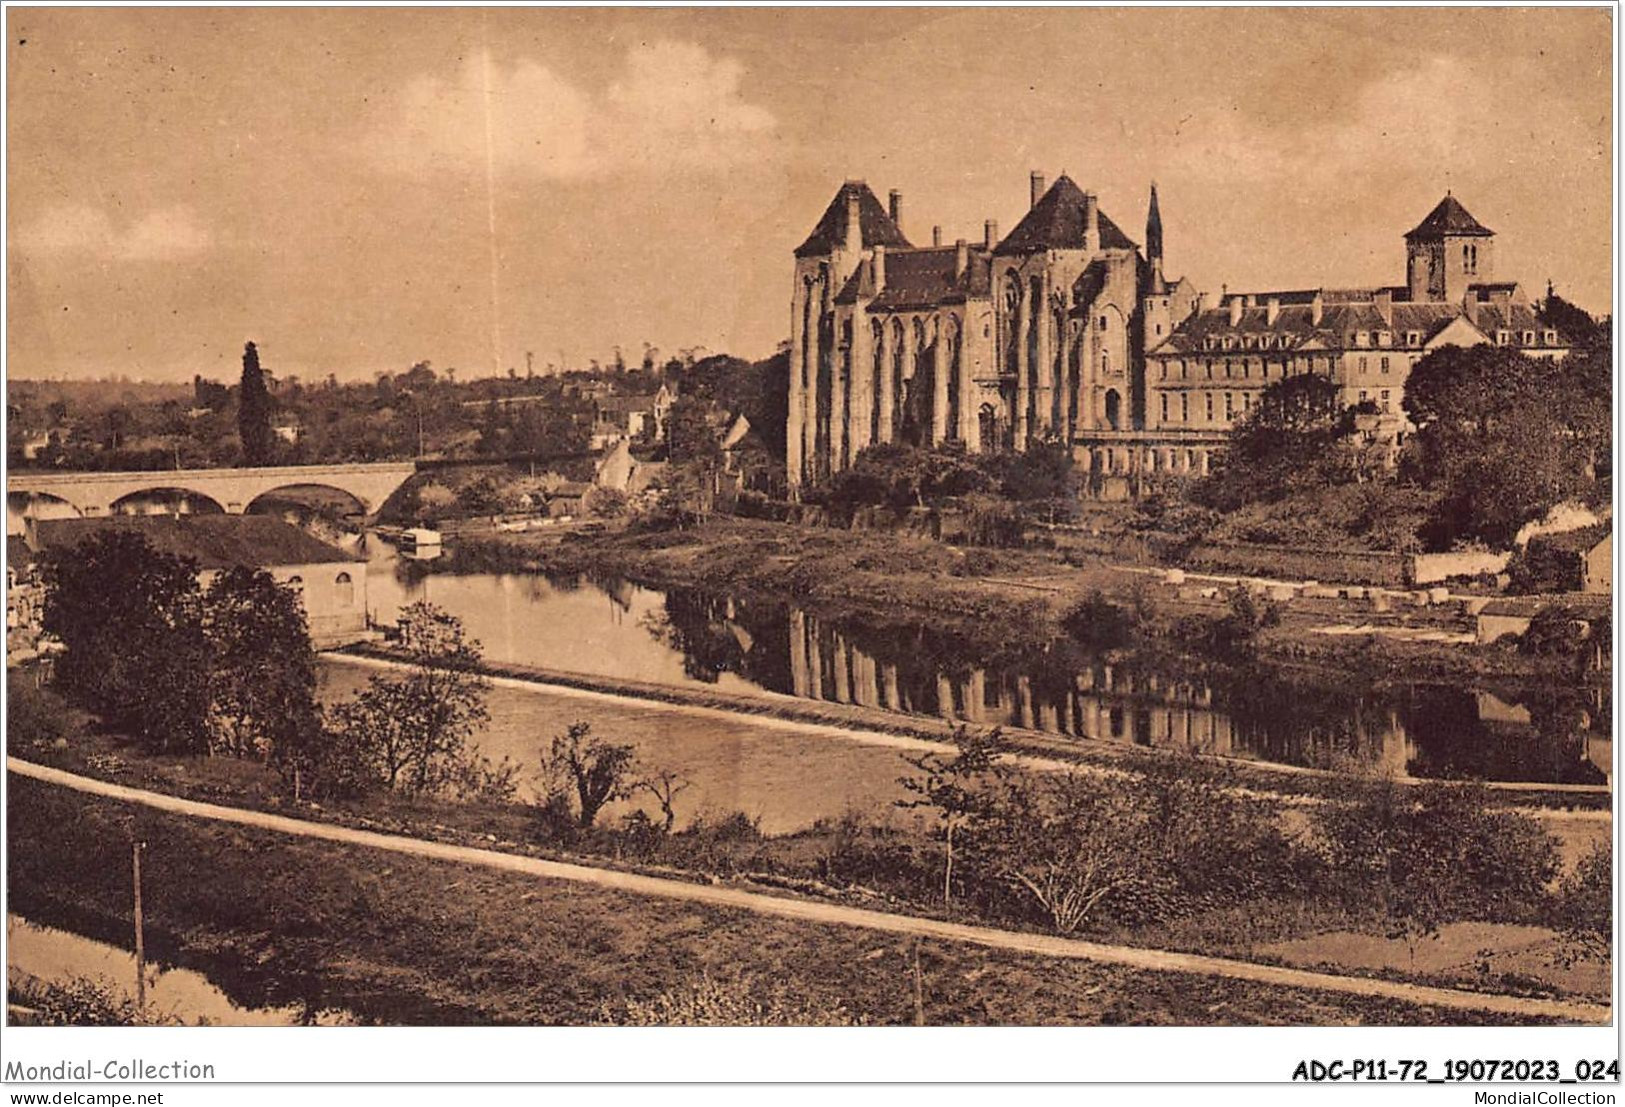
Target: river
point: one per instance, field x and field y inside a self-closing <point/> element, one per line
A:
<point x="686" y="637"/>
<point x="173" y="995"/>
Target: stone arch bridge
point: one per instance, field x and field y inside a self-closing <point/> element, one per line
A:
<point x="232" y="490"/>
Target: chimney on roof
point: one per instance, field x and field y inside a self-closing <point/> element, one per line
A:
<point x="1384" y="300"/>
<point x="1091" y="222"/>
<point x="1502" y="298"/>
<point x="1469" y="306"/>
<point x="936" y="235"/>
<point x="1201" y="302"/>
<point x="1236" y="305"/>
<point x="897" y="208"/>
<point x="1317" y="308"/>
<point x="878" y="264"/>
<point x="961" y="258"/>
<point x="1272" y="310"/>
<point x="1037" y="188"/>
<point x="854" y="222"/>
<point x="990" y="234"/>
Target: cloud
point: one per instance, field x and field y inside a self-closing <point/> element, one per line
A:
<point x="80" y="231"/>
<point x="673" y="106"/>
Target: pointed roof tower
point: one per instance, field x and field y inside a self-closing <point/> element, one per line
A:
<point x="1449" y="218"/>
<point x="876" y="226"/>
<point x="1153" y="228"/>
<point x="1057" y="222"/>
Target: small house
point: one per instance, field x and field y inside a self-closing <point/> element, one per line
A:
<point x="331" y="581"/>
<point x="1580" y="560"/>
<point x="1512" y="615"/>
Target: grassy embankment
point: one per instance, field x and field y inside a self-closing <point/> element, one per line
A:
<point x="881" y="860"/>
<point x="275" y="920"/>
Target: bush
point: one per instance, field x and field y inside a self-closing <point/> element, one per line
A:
<point x="1553" y="632"/>
<point x="1233" y="635"/>
<point x="1429" y="854"/>
<point x="34" y="715"/>
<point x="434" y="501"/>
<point x="1100" y="624"/>
<point x="996" y="522"/>
<point x="1069" y="846"/>
<point x="78" y="1002"/>
<point x="1584" y="907"/>
<point x="1218" y="844"/>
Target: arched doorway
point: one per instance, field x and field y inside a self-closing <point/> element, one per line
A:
<point x="1114" y="409"/>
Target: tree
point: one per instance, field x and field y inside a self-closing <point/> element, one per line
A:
<point x="599" y="772"/>
<point x="137" y="654"/>
<point x="696" y="455"/>
<point x="1292" y="440"/>
<point x="664" y="786"/>
<point x="254" y="411"/>
<point x="1571" y="321"/>
<point x="263" y="678"/>
<point x="1503" y="436"/>
<point x="1070" y="842"/>
<point x="413" y="728"/>
<point x="957" y="788"/>
<point x="1042" y="474"/>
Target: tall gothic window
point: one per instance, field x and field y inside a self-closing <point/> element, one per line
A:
<point x="877" y="339"/>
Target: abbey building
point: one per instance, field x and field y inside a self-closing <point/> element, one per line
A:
<point x="1067" y="330"/>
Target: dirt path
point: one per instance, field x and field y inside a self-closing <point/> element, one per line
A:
<point x="830" y="914"/>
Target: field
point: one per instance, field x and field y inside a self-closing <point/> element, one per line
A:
<point x="275" y="920"/>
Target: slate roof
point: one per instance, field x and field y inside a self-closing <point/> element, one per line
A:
<point x="623" y="405"/>
<point x="1346" y="310"/>
<point x="1580" y="540"/>
<point x="1056" y="223"/>
<point x="830" y="233"/>
<point x="1449" y="217"/>
<point x="212" y="541"/>
<point x="922" y="278"/>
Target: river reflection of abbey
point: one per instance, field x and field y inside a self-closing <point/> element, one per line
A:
<point x="1102" y="701"/>
<point x="612" y="627"/>
<point x="1123" y="702"/>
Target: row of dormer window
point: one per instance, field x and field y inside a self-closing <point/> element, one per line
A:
<point x="1364" y="340"/>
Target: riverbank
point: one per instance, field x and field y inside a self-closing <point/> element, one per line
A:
<point x="876" y="857"/>
<point x="999" y="601"/>
<point x="330" y="925"/>
<point x="853" y="722"/>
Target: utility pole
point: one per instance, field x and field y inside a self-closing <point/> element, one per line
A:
<point x="919" y="987"/>
<point x="140" y="937"/>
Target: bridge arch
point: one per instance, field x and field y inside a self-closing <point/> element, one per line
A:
<point x="166" y="500"/>
<point x="36" y="505"/>
<point x="315" y="497"/>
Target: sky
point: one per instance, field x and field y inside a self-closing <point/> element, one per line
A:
<point x="359" y="190"/>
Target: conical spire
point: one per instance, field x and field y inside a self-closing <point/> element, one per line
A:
<point x="1153" y="228"/>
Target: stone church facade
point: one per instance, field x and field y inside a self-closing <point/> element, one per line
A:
<point x="1066" y="330"/>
